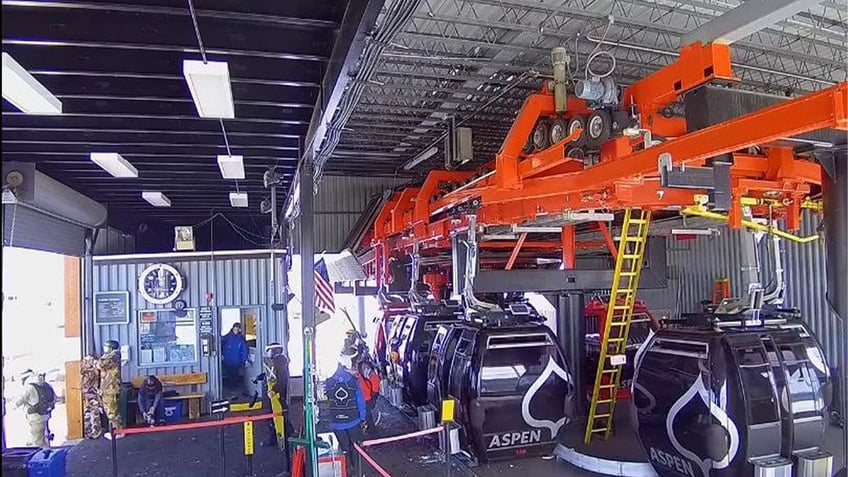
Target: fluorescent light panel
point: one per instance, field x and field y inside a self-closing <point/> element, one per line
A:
<point x="25" y="92"/>
<point x="114" y="164"/>
<point x="209" y="84"/>
<point x="232" y="167"/>
<point x="156" y="198"/>
<point x="238" y="199"/>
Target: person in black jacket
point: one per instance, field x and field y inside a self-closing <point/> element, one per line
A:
<point x="346" y="406"/>
<point x="151" y="401"/>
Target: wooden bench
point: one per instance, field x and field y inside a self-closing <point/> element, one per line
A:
<point x="185" y="379"/>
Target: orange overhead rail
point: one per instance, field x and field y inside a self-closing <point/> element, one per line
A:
<point x="524" y="187"/>
<point x="820" y="110"/>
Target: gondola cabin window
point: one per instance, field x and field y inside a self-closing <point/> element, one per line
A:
<point x="511" y="364"/>
<point x="165" y="338"/>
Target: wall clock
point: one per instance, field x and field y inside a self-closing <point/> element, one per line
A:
<point x="160" y="284"/>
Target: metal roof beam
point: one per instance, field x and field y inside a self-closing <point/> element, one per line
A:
<point x="746" y="19"/>
<point x="153" y="76"/>
<point x="160" y="47"/>
<point x="167" y="99"/>
<point x="145" y="131"/>
<point x="49" y="142"/>
<point x="84" y="156"/>
<point x="164" y="116"/>
<point x="296" y="22"/>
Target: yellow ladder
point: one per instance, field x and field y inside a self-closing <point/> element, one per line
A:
<point x="625" y="282"/>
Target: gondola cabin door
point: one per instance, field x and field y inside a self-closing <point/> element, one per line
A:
<point x="520" y="396"/>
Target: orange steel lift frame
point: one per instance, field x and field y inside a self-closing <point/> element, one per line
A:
<point x="523" y="187"/>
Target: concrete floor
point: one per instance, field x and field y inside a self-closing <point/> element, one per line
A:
<point x="195" y="454"/>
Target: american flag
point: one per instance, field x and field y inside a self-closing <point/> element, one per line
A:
<point x="323" y="288"/>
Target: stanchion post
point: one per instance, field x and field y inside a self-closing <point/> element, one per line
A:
<point x="448" y="408"/>
<point x="446" y="432"/>
<point x="248" y="446"/>
<point x="114" y="451"/>
<point x="222" y="447"/>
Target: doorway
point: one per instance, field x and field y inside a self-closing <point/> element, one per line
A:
<point x="238" y="379"/>
<point x="34" y="337"/>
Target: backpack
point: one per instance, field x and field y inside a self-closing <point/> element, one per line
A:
<point x="46" y="399"/>
<point x="343" y="405"/>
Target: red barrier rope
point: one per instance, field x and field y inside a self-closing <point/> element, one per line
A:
<point x="197" y="425"/>
<point x="374" y="442"/>
<point x="371" y="461"/>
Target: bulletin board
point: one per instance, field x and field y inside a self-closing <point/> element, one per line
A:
<point x="166" y="339"/>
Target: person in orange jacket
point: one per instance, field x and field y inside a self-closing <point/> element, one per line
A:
<point x="369" y="381"/>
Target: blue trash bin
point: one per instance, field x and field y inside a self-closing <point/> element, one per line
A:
<point x="173" y="410"/>
<point x="16" y="461"/>
<point x="48" y="463"/>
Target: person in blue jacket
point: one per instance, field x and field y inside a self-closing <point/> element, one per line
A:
<point x="233" y="357"/>
<point x="346" y="405"/>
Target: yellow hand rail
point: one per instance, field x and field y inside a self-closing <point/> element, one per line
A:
<point x="701" y="212"/>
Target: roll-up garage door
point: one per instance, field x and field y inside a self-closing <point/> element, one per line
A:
<point x="28" y="228"/>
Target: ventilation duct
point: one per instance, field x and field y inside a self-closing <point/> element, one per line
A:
<point x="27" y="187"/>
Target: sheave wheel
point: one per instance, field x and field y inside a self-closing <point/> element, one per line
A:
<point x="577" y="122"/>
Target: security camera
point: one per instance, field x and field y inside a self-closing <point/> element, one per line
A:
<point x="271" y="178"/>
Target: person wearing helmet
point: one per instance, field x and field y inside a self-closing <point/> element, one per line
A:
<point x="277" y="379"/>
<point x="369" y="381"/>
<point x="151" y="402"/>
<point x="109" y="365"/>
<point x="346" y="405"/>
<point x="38" y="399"/>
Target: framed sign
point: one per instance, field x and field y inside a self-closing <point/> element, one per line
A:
<point x="205" y="320"/>
<point x="183" y="238"/>
<point x="112" y="307"/>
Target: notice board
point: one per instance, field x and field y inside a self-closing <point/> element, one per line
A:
<point x="112" y="307"/>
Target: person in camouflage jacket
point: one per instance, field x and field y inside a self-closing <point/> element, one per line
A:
<point x="109" y="366"/>
<point x="92" y="404"/>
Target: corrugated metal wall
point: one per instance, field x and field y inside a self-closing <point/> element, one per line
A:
<point x="806" y="287"/>
<point x="236" y="280"/>
<point x="338" y="204"/>
<point x="694" y="265"/>
<point x="112" y="241"/>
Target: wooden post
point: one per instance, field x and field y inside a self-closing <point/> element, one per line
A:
<point x="73" y="329"/>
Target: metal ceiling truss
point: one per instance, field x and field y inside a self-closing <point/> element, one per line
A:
<point x="454" y="56"/>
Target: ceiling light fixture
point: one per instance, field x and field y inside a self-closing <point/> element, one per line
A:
<point x="238" y="199"/>
<point x="25" y="92"/>
<point x="156" y="198"/>
<point x="232" y="167"/>
<point x="421" y="158"/>
<point x="114" y="164"/>
<point x="209" y="84"/>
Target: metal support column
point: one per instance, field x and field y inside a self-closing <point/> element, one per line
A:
<point x="274" y="225"/>
<point x="459" y="255"/>
<point x="835" y="197"/>
<point x="569" y="247"/>
<point x="307" y="297"/>
<point x="571" y="329"/>
<point x="90" y="345"/>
